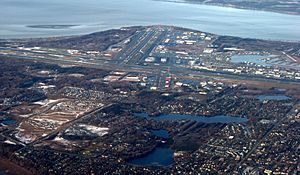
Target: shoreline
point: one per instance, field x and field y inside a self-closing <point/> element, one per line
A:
<point x="231" y="6"/>
<point x="82" y="34"/>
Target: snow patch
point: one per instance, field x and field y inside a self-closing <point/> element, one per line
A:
<point x="25" y="115"/>
<point x="101" y="131"/>
<point x="45" y="102"/>
<point x="9" y="142"/>
<point x="24" y="138"/>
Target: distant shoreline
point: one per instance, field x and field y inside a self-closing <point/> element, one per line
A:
<point x="51" y="26"/>
<point x="231" y="6"/>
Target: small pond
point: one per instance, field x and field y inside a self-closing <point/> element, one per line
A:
<point x="257" y="59"/>
<point x="161" y="133"/>
<point x="7" y="121"/>
<point x="163" y="156"/>
<point x="203" y="119"/>
<point x="273" y="97"/>
<point x="158" y="157"/>
<point x="2" y="172"/>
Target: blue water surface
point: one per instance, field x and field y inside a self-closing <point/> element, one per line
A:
<point x="203" y="119"/>
<point x="97" y="15"/>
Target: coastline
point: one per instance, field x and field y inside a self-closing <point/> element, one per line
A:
<point x="231" y="6"/>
